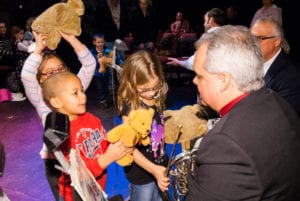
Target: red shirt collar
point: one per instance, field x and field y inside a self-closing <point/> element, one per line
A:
<point x="227" y="107"/>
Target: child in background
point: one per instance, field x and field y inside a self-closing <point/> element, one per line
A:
<point x="103" y="74"/>
<point x="21" y="50"/>
<point x="101" y="79"/>
<point x="64" y="93"/>
<point x="37" y="67"/>
<point x="142" y="85"/>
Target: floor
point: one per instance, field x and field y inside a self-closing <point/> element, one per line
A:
<point x="21" y="133"/>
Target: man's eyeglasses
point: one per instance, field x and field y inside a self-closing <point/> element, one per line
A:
<point x="60" y="68"/>
<point x="261" y="38"/>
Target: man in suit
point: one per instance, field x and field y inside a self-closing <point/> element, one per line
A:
<point x="252" y="153"/>
<point x="280" y="73"/>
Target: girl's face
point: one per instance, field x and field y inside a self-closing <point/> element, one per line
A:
<point x="20" y="36"/>
<point x="51" y="66"/>
<point x="151" y="90"/>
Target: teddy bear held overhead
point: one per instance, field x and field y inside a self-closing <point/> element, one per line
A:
<point x="63" y="17"/>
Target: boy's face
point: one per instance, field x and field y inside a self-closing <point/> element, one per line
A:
<point x="71" y="99"/>
<point x="99" y="43"/>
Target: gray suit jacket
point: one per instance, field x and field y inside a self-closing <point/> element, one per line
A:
<point x="253" y="153"/>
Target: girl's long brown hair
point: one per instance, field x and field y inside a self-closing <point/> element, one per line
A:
<point x="138" y="69"/>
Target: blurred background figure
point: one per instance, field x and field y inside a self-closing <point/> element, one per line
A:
<point x="14" y="82"/>
<point x="268" y="9"/>
<point x="180" y="25"/>
<point x="28" y="35"/>
<point x="144" y="25"/>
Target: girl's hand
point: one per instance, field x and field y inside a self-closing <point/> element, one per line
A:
<point x="68" y="37"/>
<point x="40" y="42"/>
<point x="73" y="41"/>
<point x="161" y="177"/>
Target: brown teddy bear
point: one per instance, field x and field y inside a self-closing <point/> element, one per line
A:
<point x="135" y="130"/>
<point x="63" y="17"/>
<point x="104" y="61"/>
<point x="192" y="118"/>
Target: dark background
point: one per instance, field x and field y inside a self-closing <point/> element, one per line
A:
<point x="17" y="11"/>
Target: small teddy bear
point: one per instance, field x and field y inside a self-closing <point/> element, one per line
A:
<point x="192" y="118"/>
<point x="61" y="16"/>
<point x="135" y="130"/>
<point x="104" y="61"/>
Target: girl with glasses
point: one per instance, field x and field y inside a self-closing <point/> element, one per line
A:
<point x="142" y="85"/>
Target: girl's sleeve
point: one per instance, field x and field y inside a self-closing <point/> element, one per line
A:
<point x="22" y="47"/>
<point x="32" y="88"/>
<point x="87" y="69"/>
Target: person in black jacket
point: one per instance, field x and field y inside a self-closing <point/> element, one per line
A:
<point x="252" y="152"/>
<point x="281" y="74"/>
<point x="144" y="26"/>
<point x="111" y="20"/>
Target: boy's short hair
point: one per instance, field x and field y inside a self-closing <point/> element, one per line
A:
<point x="97" y="35"/>
<point x="52" y="86"/>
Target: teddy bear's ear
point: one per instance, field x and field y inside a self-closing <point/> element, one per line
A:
<point x="77" y="6"/>
<point x="196" y="107"/>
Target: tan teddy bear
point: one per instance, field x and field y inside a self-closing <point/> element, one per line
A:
<point x="193" y="120"/>
<point x="104" y="61"/>
<point x="63" y="17"/>
<point x="135" y="130"/>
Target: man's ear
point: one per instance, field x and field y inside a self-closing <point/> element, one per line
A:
<point x="225" y="80"/>
<point x="55" y="102"/>
<point x="278" y="41"/>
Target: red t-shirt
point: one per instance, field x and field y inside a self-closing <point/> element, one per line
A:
<point x="86" y="133"/>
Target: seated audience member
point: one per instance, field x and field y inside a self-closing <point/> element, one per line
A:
<point x="280" y="73"/>
<point x="8" y="65"/>
<point x="252" y="152"/>
<point x="234" y="17"/>
<point x="171" y="38"/>
<point x="21" y="53"/>
<point x="268" y="9"/>
<point x="213" y="19"/>
<point x="180" y="25"/>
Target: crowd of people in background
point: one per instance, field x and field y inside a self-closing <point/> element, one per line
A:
<point x="240" y="70"/>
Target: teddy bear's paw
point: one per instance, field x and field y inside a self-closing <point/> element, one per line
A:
<point x="145" y="141"/>
<point x="113" y="135"/>
<point x="126" y="160"/>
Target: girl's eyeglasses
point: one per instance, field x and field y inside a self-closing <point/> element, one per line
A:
<point x="60" y="68"/>
<point x="145" y="93"/>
